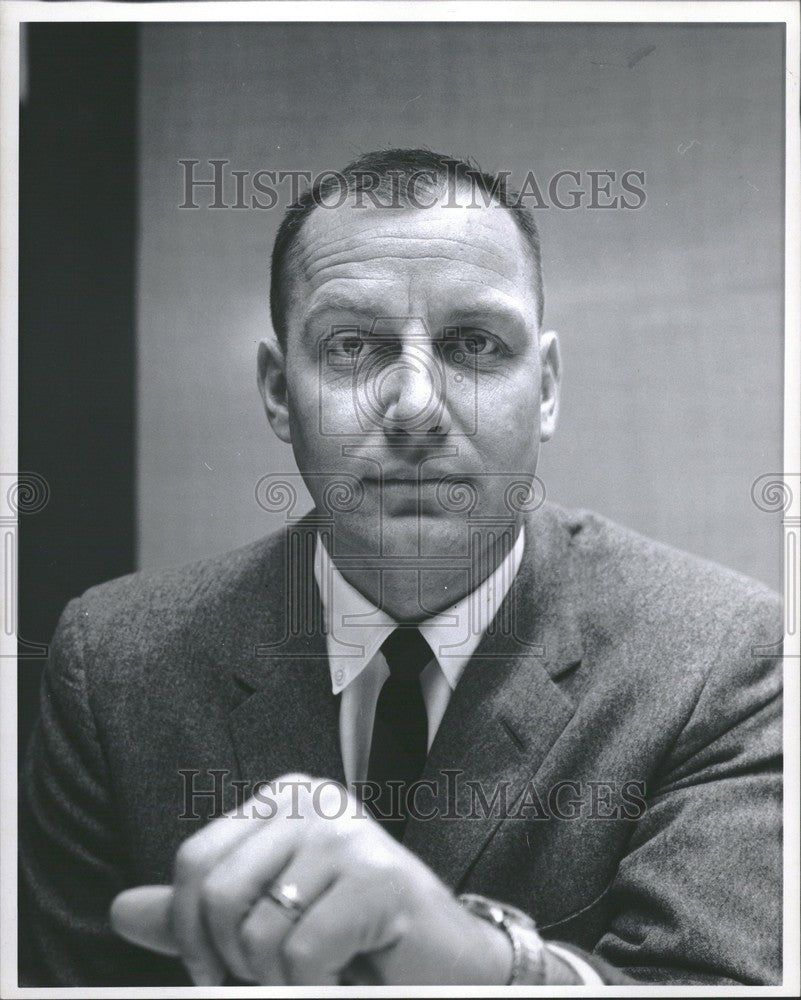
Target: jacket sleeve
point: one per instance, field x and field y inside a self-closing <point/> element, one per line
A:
<point x="71" y="853"/>
<point x="697" y="898"/>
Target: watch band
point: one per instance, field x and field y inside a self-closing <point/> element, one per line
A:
<point x="528" y="948"/>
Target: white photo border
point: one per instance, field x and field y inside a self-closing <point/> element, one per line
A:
<point x="13" y="13"/>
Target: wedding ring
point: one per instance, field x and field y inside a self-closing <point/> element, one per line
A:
<point x="286" y="896"/>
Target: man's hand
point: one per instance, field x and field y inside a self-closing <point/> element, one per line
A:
<point x="353" y="898"/>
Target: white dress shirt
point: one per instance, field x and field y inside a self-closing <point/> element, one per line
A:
<point x="356" y="628"/>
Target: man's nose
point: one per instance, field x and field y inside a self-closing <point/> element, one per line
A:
<point x="412" y="392"/>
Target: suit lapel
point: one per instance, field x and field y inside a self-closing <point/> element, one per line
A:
<point x="284" y="716"/>
<point x="507" y="711"/>
<point x="290" y="724"/>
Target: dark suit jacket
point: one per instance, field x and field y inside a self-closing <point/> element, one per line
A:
<point x="613" y="661"/>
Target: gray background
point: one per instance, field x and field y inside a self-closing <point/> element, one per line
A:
<point x="670" y="316"/>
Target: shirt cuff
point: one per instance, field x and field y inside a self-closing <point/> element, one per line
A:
<point x="585" y="972"/>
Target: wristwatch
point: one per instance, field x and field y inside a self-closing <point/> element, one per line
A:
<point x="528" y="948"/>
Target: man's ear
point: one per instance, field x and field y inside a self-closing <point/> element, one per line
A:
<point x="272" y="386"/>
<point x="551" y="366"/>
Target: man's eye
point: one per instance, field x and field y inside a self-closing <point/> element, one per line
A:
<point x="352" y="345"/>
<point x="476" y="343"/>
<point x="470" y="345"/>
<point x="347" y="344"/>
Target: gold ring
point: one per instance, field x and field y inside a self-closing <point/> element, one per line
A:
<point x="286" y="896"/>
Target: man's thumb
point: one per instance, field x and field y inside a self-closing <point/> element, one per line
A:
<point x="142" y="916"/>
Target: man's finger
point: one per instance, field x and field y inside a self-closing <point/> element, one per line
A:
<point x="196" y="857"/>
<point x="142" y="916"/>
<point x="264" y="932"/>
<point x="348" y="920"/>
<point x="261" y="934"/>
<point x="236" y="883"/>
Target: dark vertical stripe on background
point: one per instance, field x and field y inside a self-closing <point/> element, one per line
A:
<point x="76" y="341"/>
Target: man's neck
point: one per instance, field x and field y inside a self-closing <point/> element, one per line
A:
<point x="418" y="589"/>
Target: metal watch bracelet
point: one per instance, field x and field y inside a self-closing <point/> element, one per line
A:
<point x="528" y="948"/>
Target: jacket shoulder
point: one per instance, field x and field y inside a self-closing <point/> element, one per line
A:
<point x="147" y="615"/>
<point x="625" y="575"/>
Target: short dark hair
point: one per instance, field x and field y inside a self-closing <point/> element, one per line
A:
<point x="399" y="175"/>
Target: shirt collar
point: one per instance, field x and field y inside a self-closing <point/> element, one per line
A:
<point x="356" y="628"/>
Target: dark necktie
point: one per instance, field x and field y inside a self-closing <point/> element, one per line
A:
<point x="400" y="731"/>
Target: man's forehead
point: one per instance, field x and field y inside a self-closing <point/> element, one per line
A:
<point x="482" y="243"/>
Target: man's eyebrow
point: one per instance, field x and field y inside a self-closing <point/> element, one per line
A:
<point x="477" y="312"/>
<point x="338" y="301"/>
<point x="490" y="311"/>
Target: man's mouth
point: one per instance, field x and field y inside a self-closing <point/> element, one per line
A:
<point x="403" y="480"/>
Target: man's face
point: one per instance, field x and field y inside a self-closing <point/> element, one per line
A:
<point x="415" y="374"/>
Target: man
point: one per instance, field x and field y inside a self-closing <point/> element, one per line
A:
<point x="435" y="712"/>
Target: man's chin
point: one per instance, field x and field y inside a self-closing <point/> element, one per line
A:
<point x="418" y="535"/>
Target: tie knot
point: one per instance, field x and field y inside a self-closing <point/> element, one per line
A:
<point x="406" y="653"/>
